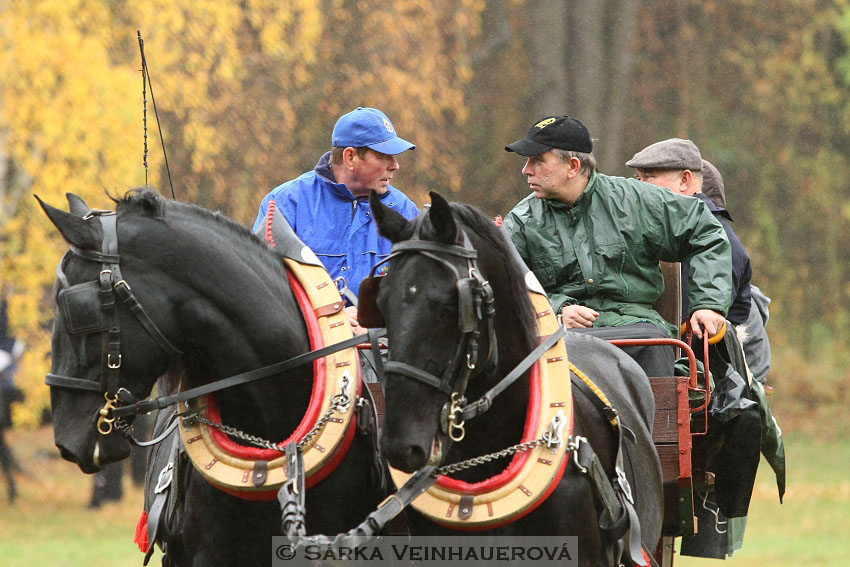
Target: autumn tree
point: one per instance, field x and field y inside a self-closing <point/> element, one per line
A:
<point x="247" y="95"/>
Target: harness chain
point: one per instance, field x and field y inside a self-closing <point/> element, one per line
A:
<point x="338" y="402"/>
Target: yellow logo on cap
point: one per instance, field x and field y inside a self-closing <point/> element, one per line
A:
<point x="387" y="125"/>
<point x="544" y="123"/>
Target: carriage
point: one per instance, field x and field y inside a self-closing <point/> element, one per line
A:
<point x="199" y="282"/>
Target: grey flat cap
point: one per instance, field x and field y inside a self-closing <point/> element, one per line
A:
<point x="674" y="153"/>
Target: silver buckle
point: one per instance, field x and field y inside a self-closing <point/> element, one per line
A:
<point x="164" y="479"/>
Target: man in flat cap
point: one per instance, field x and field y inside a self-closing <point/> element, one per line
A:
<point x="677" y="165"/>
<point x="594" y="241"/>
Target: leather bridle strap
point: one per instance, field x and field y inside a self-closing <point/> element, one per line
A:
<point x="238" y="379"/>
<point x="482" y="404"/>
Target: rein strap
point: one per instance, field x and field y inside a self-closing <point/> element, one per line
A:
<point x="238" y="379"/>
<point x="483" y="404"/>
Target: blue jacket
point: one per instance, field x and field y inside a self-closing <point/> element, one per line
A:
<point x="335" y="224"/>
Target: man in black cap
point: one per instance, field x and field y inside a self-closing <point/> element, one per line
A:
<point x="594" y="241"/>
<point x="677" y="165"/>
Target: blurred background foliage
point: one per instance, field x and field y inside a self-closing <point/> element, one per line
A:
<point x="248" y="93"/>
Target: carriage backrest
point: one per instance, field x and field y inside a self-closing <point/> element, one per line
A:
<point x="669" y="305"/>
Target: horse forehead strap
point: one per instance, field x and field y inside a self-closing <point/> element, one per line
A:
<point x="417" y="244"/>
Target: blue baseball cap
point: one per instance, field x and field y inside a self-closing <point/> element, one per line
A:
<point x="368" y="127"/>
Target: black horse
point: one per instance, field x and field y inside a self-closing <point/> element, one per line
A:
<point x="215" y="303"/>
<point x="430" y="314"/>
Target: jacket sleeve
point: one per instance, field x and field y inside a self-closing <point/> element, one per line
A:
<point x="515" y="229"/>
<point x="691" y="233"/>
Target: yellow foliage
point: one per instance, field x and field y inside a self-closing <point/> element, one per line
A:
<point x="247" y="92"/>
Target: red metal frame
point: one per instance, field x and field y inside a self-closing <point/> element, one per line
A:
<point x="692" y="368"/>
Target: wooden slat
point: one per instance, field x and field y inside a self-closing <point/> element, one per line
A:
<point x="669" y="457"/>
<point x="664" y="390"/>
<point x="665" y="428"/>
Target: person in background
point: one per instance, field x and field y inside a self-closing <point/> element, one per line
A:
<point x="754" y="336"/>
<point x="594" y="242"/>
<point x="677" y="165"/>
<point x="328" y="207"/>
<point x="11" y="350"/>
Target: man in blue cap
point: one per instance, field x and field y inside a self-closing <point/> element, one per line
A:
<point x="328" y="207"/>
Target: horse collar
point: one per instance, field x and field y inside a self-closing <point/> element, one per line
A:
<point x="326" y="430"/>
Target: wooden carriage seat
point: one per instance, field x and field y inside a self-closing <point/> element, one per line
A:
<point x="669" y="305"/>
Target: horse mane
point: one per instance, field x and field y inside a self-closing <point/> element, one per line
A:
<point x="146" y="202"/>
<point x="484" y="227"/>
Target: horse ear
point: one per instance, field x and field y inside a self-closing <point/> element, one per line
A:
<point x="390" y="223"/>
<point x="77" y="205"/>
<point x="442" y="220"/>
<point x="73" y="228"/>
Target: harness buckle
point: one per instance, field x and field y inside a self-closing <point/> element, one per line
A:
<point x="165" y="476"/>
<point x="624" y="485"/>
<point x="113" y="365"/>
<point x="122" y="284"/>
<point x="553" y="435"/>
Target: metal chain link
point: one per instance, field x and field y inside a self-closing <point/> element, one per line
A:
<point x="550" y="437"/>
<point x="475" y="461"/>
<point x="338" y="402"/>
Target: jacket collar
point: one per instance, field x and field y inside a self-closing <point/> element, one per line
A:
<point x="713" y="207"/>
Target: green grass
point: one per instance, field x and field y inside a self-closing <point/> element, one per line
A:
<point x="50" y="526"/>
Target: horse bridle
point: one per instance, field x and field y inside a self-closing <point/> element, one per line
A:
<point x="475" y="310"/>
<point x="91" y="308"/>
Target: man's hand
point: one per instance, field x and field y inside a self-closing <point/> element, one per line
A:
<point x="576" y="316"/>
<point x="711" y="321"/>
<point x="351" y="311"/>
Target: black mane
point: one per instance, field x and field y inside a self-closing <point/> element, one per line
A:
<point x="146" y="202"/>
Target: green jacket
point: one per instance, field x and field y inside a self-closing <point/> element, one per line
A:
<point x="603" y="252"/>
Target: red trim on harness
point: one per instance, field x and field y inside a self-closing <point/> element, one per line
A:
<point x="311" y="416"/>
<point x="518" y="460"/>
<point x="315" y="405"/>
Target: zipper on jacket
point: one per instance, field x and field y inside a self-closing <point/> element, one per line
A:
<point x="622" y="264"/>
<point x="353" y="209"/>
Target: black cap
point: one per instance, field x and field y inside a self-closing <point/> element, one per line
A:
<point x="560" y="132"/>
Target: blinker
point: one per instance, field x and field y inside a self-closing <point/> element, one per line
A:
<point x="466" y="313"/>
<point x="369" y="314"/>
<point x="81" y="308"/>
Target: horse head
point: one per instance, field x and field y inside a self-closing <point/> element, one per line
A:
<point x="91" y="372"/>
<point x="437" y="304"/>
